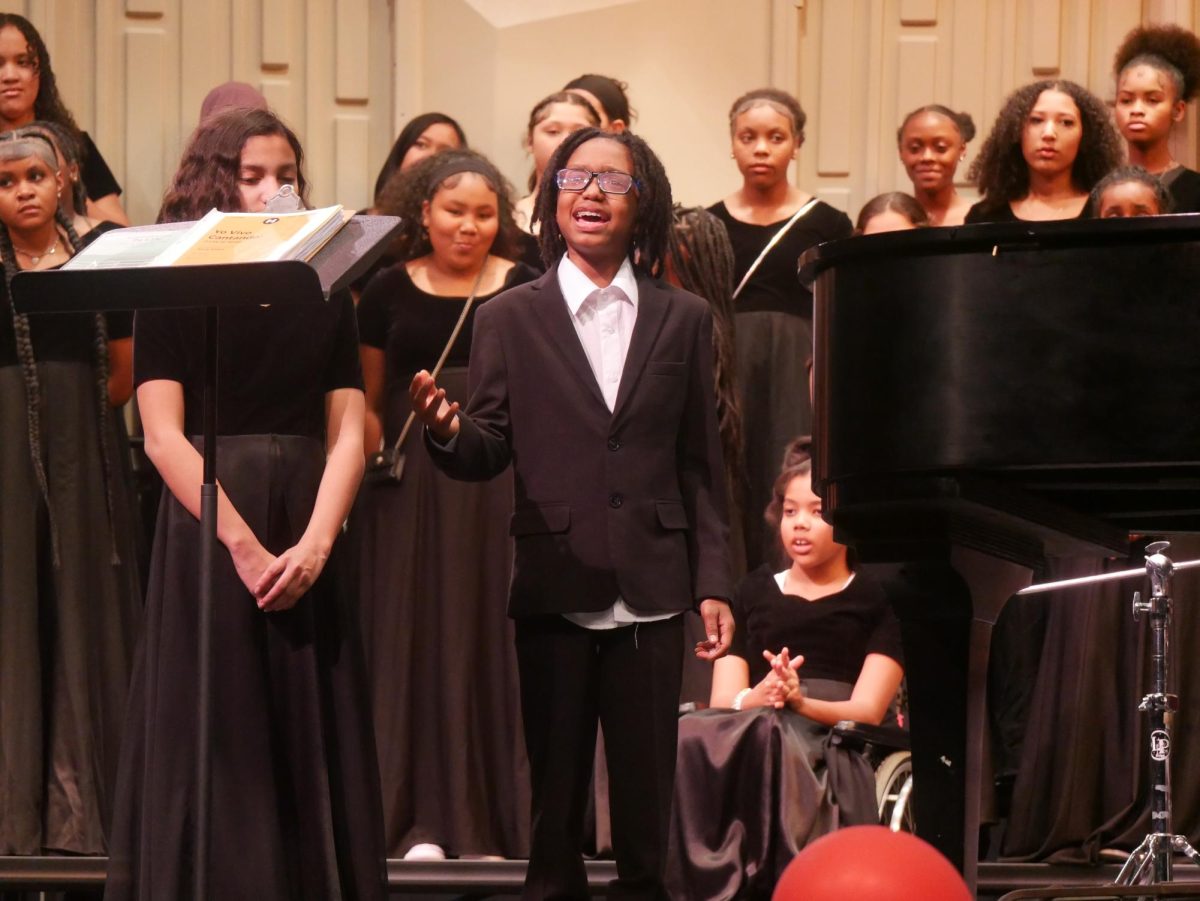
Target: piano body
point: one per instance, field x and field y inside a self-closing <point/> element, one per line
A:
<point x="985" y="396"/>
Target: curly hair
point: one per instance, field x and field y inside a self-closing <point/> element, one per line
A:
<point x="780" y="101"/>
<point x="652" y="223"/>
<point x="207" y="176"/>
<point x="611" y="92"/>
<point x="1170" y="49"/>
<point x="48" y="104"/>
<point x="541" y="110"/>
<point x="1123" y="175"/>
<point x="1001" y="172"/>
<point x="408" y="136"/>
<point x="895" y="201"/>
<point x="406" y="192"/>
<point x="701" y="256"/>
<point x="961" y="121"/>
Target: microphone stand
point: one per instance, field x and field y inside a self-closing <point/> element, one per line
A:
<point x="1151" y="861"/>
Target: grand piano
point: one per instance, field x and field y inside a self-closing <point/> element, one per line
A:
<point x="985" y="397"/>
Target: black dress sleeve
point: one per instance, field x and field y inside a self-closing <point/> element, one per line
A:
<point x="885" y="639"/>
<point x="373" y="311"/>
<point x="98" y="179"/>
<point x="159" y="348"/>
<point x="343" y="369"/>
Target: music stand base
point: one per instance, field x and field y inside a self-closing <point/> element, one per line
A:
<point x="1153" y="856"/>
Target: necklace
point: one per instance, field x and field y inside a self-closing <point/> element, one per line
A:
<point x="37" y="258"/>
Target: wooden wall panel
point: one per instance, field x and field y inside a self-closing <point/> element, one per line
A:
<point x="353" y="24"/>
<point x="838" y="64"/>
<point x="353" y="177"/>
<point x="276" y="28"/>
<point x="1045" y="35"/>
<point x="918" y="12"/>
<point x="146" y="118"/>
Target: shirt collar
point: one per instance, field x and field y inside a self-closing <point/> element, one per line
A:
<point x="577" y="287"/>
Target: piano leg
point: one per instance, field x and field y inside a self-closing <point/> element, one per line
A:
<point x="946" y="611"/>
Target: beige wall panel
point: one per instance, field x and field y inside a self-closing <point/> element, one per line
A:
<point x="66" y="26"/>
<point x="277" y="42"/>
<point x="918" y="12"/>
<point x="206" y="57"/>
<point x="351" y="147"/>
<point x="838" y="63"/>
<point x="1045" y="35"/>
<point x="146" y="8"/>
<point x="146" y="120"/>
<point x="352" y="18"/>
<point x="916" y="85"/>
<point x="967" y="90"/>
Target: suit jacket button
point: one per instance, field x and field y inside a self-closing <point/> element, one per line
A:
<point x="615" y="500"/>
<point x="614" y="444"/>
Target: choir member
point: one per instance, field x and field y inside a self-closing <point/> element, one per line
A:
<point x="933" y="141"/>
<point x="1050" y="144"/>
<point x="608" y="97"/>
<point x="894" y="211"/>
<point x="29" y="91"/>
<point x="771" y="223"/>
<point x="434" y="554"/>
<point x="1158" y="72"/>
<point x="1129" y="191"/>
<point x="294" y="810"/>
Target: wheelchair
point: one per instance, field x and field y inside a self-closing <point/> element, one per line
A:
<point x="888" y="750"/>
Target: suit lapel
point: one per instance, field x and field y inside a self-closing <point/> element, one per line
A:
<point x="552" y="312"/>
<point x="652" y="311"/>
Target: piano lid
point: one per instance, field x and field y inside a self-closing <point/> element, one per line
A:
<point x="1054" y="366"/>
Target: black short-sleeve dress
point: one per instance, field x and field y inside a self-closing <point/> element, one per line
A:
<point x="67" y="626"/>
<point x="773" y="332"/>
<point x="434" y="557"/>
<point x="295" y="793"/>
<point x="752" y="788"/>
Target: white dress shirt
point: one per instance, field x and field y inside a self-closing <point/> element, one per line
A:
<point x="604" y="320"/>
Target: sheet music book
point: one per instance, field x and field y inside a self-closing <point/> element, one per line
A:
<point x="217" y="238"/>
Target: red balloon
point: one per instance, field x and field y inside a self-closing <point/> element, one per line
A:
<point x="870" y="862"/>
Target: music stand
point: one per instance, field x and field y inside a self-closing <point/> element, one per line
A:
<point x="347" y="255"/>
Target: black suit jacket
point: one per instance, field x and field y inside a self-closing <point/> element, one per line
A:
<point x="629" y="503"/>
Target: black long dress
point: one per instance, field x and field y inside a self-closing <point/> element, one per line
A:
<point x="752" y="788"/>
<point x="295" y="792"/>
<point x="434" y="556"/>
<point x="774" y="343"/>
<point x="66" y="630"/>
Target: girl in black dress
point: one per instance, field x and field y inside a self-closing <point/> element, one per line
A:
<point x="31" y="92"/>
<point x="68" y="575"/>
<point x="816" y="643"/>
<point x="295" y="793"/>
<point x="1051" y="143"/>
<point x="933" y="141"/>
<point x="774" y="313"/>
<point x="421" y="605"/>
<point x="1158" y="72"/>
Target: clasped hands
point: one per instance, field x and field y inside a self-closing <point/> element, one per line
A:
<point x="277" y="583"/>
<point x="781" y="686"/>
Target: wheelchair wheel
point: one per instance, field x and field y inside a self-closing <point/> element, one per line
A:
<point x="893" y="788"/>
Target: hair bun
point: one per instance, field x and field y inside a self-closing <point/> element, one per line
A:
<point x="966" y="126"/>
<point x="1172" y="44"/>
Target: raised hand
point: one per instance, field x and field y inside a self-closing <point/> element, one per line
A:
<point x="431" y="407"/>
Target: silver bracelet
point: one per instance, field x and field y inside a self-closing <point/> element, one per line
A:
<point x="739" y="697"/>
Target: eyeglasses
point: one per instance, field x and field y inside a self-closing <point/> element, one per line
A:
<point x="608" y="182"/>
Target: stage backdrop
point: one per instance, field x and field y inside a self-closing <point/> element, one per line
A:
<point x="347" y="74"/>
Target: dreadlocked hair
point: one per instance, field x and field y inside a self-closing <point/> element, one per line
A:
<point x="701" y="257"/>
<point x="1000" y="170"/>
<point x="405" y="194"/>
<point x="48" y="104"/>
<point x="1172" y="50"/>
<point x="652" y="222"/>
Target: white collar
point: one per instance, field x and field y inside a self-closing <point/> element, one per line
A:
<point x="577" y="287"/>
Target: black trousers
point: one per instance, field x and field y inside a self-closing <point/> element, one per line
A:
<point x="628" y="679"/>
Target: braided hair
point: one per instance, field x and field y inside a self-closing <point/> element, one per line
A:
<point x="701" y="257"/>
<point x="33" y="388"/>
<point x="652" y="223"/>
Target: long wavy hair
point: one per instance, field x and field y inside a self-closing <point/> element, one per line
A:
<point x="652" y="223"/>
<point x="207" y="176"/>
<point x="1000" y="170"/>
<point x="406" y="192"/>
<point x="701" y="256"/>
<point x="48" y="104"/>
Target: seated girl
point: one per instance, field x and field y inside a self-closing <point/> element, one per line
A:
<point x="757" y="778"/>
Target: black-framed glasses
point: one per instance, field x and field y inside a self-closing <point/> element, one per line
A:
<point x="608" y="182"/>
